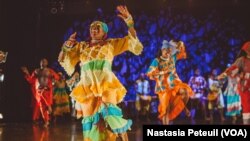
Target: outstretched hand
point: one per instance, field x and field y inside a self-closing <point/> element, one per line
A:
<point x="25" y="70"/>
<point x="127" y="18"/>
<point x="123" y="12"/>
<point x="220" y="77"/>
<point x="71" y="41"/>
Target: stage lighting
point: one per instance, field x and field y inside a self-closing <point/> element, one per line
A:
<point x="56" y="6"/>
<point x="1" y="77"/>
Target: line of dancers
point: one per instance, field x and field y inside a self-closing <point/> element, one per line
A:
<point x="97" y="91"/>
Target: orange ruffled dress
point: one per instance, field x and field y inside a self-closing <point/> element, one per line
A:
<point x="168" y="84"/>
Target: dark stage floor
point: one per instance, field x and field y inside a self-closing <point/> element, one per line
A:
<point x="71" y="130"/>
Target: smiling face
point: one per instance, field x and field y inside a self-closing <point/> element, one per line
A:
<point x="166" y="52"/>
<point x="96" y="31"/>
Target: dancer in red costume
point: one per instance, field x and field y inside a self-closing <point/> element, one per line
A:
<point x="242" y="67"/>
<point x="41" y="86"/>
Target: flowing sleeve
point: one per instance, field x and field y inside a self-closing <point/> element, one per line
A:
<point x="181" y="51"/>
<point x="31" y="78"/>
<point x="71" y="57"/>
<point x="54" y="74"/>
<point x="128" y="43"/>
<point x="153" y="69"/>
<point x="235" y="67"/>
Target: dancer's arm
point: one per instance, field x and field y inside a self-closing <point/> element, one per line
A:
<point x="127" y="18"/>
<point x="130" y="42"/>
<point x="70" y="54"/>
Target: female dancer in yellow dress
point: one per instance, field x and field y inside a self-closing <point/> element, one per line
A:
<point x="172" y="92"/>
<point x="99" y="91"/>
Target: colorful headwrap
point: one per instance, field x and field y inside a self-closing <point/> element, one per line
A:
<point x="101" y="24"/>
<point x="246" y="46"/>
<point x="166" y="44"/>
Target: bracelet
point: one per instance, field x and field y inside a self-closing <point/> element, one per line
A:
<point x="65" y="48"/>
<point x="129" y="18"/>
<point x="129" y="21"/>
<point x="130" y="25"/>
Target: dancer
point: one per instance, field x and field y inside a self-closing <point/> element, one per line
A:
<point x="172" y="92"/>
<point x="61" y="105"/>
<point x="233" y="103"/>
<point x="199" y="85"/>
<point x="242" y="68"/>
<point x="99" y="91"/>
<point x="215" y="97"/>
<point x="42" y="89"/>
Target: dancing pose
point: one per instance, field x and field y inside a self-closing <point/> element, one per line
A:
<point x="60" y="98"/>
<point x="233" y="103"/>
<point x="99" y="91"/>
<point x="172" y="92"/>
<point x="242" y="68"/>
<point x="42" y="89"/>
<point x="215" y="97"/>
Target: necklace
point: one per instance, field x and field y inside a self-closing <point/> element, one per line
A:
<point x="165" y="59"/>
<point x="95" y="41"/>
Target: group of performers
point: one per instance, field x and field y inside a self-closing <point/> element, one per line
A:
<point x="96" y="91"/>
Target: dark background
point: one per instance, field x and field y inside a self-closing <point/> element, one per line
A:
<point x="30" y="31"/>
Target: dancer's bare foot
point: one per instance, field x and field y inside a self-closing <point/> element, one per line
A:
<point x="46" y="124"/>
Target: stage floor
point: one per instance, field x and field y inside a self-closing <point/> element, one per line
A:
<point x="70" y="130"/>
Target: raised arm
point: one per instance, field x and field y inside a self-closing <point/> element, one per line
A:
<point x="27" y="76"/>
<point x="153" y="71"/>
<point x="233" y="69"/>
<point x="131" y="42"/>
<point x="181" y="51"/>
<point x="127" y="18"/>
<point x="70" y="54"/>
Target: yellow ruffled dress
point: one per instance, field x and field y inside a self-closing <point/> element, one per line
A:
<point x="99" y="90"/>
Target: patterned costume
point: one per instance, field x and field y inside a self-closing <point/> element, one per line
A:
<point x="215" y="96"/>
<point x="198" y="85"/>
<point x="99" y="90"/>
<point x="143" y="98"/>
<point x="242" y="68"/>
<point x="61" y="99"/>
<point x="42" y="90"/>
<point x="168" y="84"/>
<point x="233" y="102"/>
